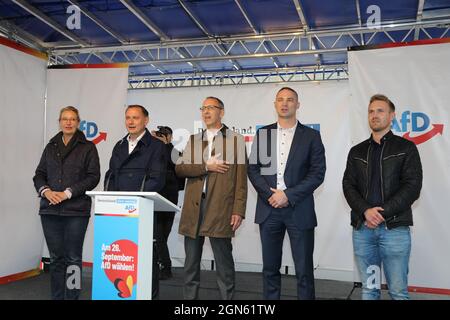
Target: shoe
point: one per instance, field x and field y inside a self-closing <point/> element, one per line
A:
<point x="165" y="274"/>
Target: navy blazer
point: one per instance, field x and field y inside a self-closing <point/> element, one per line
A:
<point x="144" y="169"/>
<point x="305" y="172"/>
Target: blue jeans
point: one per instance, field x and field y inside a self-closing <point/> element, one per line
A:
<point x="390" y="247"/>
<point x="65" y="237"/>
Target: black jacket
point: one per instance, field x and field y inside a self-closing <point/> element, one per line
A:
<point x="401" y="180"/>
<point x="144" y="169"/>
<point x="173" y="183"/>
<point x="78" y="170"/>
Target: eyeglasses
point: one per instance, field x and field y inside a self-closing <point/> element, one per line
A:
<point x="68" y="119"/>
<point x="209" y="108"/>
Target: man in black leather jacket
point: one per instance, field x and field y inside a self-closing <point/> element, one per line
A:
<point x="382" y="179"/>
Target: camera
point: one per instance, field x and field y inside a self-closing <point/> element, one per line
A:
<point x="163" y="131"/>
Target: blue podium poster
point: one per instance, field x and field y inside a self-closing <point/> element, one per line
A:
<point x="115" y="257"/>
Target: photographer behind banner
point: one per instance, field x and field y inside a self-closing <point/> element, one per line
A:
<point x="164" y="220"/>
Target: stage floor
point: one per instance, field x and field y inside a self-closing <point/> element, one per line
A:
<point x="248" y="287"/>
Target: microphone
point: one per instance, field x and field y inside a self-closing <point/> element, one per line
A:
<point x="107" y="181"/>
<point x="143" y="183"/>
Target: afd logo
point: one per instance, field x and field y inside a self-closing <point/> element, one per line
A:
<point x="130" y="208"/>
<point x="419" y="124"/>
<point x="130" y="204"/>
<point x="90" y="129"/>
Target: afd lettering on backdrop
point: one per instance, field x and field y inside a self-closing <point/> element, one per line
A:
<point x="90" y="129"/>
<point x="416" y="127"/>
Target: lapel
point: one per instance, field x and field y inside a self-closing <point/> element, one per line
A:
<point x="295" y="144"/>
<point x="212" y="178"/>
<point x="124" y="157"/>
<point x="123" y="152"/>
<point x="272" y="136"/>
<point x="269" y="151"/>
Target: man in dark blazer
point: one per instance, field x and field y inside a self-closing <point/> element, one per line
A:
<point x="286" y="165"/>
<point x="138" y="163"/>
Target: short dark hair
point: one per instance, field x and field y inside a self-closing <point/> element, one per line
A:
<point x="382" y="97"/>
<point x="221" y="104"/>
<point x="69" y="108"/>
<point x="290" y="89"/>
<point x="165" y="130"/>
<point x="144" y="111"/>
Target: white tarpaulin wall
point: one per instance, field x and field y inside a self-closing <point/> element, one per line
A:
<point x="22" y="92"/>
<point x="416" y="78"/>
<point x="418" y="85"/>
<point x="326" y="104"/>
<point x="99" y="93"/>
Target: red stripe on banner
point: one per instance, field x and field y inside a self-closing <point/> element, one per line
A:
<point x="90" y="66"/>
<point x="401" y="44"/>
<point x="14" y="45"/>
<point x="20" y="276"/>
<point x="415" y="43"/>
<point x="429" y="290"/>
<point x="117" y="215"/>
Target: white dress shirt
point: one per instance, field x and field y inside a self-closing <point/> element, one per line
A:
<point x="284" y="142"/>
<point x="133" y="143"/>
<point x="210" y="134"/>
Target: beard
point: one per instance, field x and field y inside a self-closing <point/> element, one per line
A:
<point x="378" y="126"/>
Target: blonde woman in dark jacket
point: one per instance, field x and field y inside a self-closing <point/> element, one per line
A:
<point x="69" y="167"/>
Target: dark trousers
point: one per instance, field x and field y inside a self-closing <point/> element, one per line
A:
<point x="272" y="233"/>
<point x="164" y="222"/>
<point x="155" y="273"/>
<point x="222" y="250"/>
<point x="65" y="237"/>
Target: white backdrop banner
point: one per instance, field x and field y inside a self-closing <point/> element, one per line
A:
<point x="324" y="106"/>
<point x="99" y="93"/>
<point x="419" y="87"/>
<point x="22" y="92"/>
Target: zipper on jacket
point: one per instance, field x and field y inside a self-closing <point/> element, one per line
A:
<point x="362" y="160"/>
<point x="367" y="172"/>
<point x="381" y="176"/>
<point x="394" y="155"/>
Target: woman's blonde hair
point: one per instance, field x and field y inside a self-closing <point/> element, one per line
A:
<point x="69" y="108"/>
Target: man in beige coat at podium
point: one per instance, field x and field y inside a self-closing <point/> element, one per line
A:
<point x="214" y="163"/>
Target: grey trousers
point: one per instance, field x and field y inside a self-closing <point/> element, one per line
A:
<point x="222" y="250"/>
<point x="223" y="257"/>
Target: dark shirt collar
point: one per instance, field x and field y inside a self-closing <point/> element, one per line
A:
<point x="78" y="137"/>
<point x="387" y="136"/>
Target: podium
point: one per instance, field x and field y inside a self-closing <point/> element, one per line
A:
<point x="123" y="243"/>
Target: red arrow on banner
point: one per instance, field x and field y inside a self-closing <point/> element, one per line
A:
<point x="101" y="137"/>
<point x="437" y="128"/>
